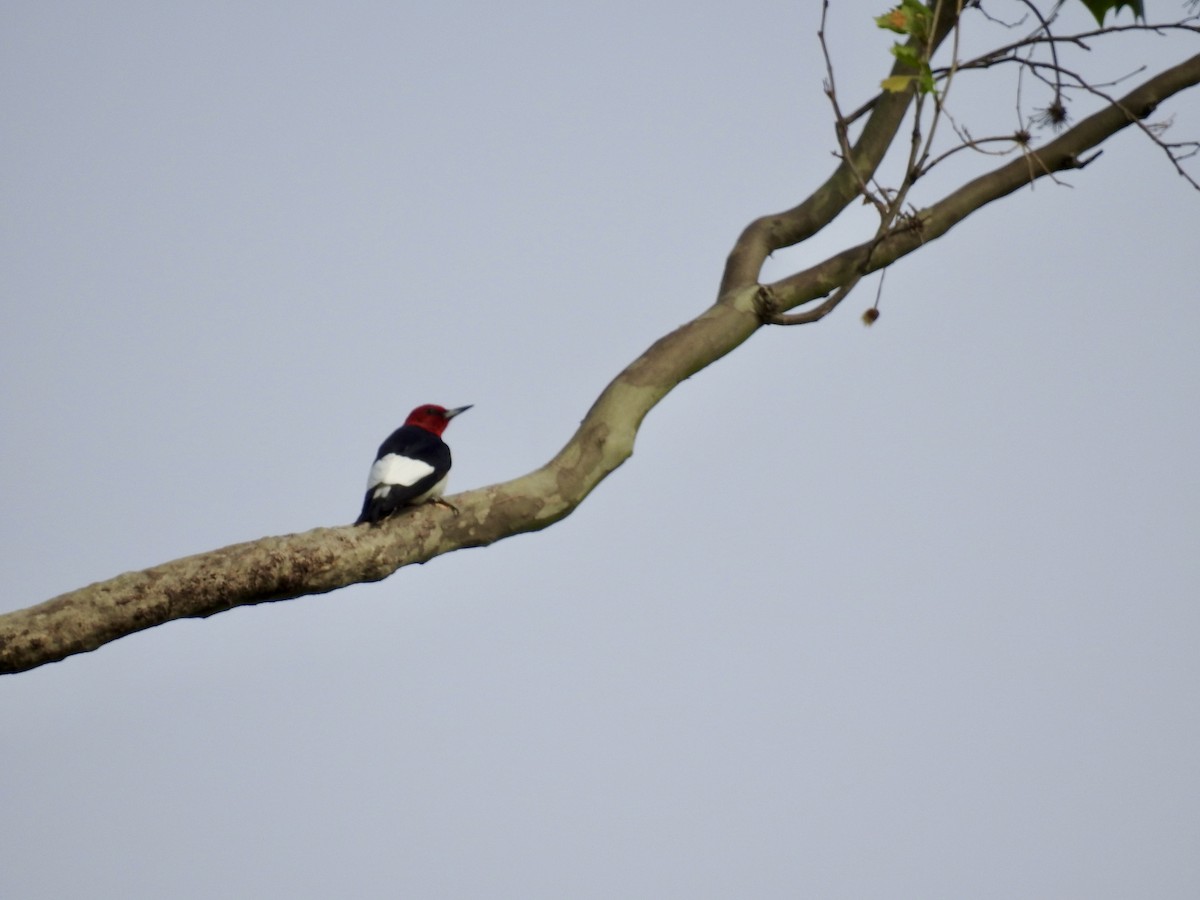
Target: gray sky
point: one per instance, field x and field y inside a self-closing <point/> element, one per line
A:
<point x="900" y="612"/>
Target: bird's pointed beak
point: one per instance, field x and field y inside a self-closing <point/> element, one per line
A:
<point x="451" y="413"/>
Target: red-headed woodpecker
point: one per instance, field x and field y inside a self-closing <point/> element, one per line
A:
<point x="412" y="464"/>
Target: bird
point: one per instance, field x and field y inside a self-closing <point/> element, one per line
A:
<point x="412" y="465"/>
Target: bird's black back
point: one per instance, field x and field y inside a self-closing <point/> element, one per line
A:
<point x="416" y="443"/>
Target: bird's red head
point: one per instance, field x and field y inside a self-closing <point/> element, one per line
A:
<point x="432" y="417"/>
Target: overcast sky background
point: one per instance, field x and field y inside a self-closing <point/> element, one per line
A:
<point x="908" y="611"/>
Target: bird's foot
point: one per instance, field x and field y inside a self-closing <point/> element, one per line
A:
<point x="438" y="501"/>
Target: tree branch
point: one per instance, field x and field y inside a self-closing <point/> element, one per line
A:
<point x="324" y="559"/>
<point x="765" y="235"/>
<point x="1063" y="153"/>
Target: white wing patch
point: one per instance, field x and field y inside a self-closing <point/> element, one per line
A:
<point x="436" y="491"/>
<point x="396" y="469"/>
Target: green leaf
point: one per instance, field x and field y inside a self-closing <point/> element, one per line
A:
<point x="1101" y="8"/>
<point x="911" y="17"/>
<point x="910" y="56"/>
<point x="896" y="84"/>
<point x="893" y="21"/>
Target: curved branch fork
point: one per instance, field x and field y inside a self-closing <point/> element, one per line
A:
<point x="838" y="274"/>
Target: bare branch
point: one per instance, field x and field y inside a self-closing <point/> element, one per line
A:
<point x="765" y="235"/>
<point x="840" y="123"/>
<point x="1007" y="52"/>
<point x="767" y="302"/>
<point x="1063" y="153"/>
